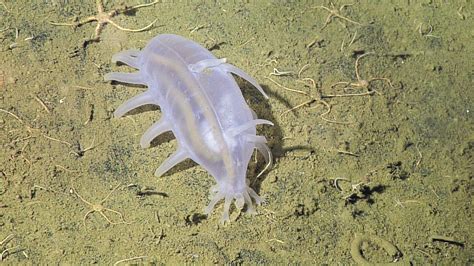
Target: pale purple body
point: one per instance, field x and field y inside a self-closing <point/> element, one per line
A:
<point x="204" y="108"/>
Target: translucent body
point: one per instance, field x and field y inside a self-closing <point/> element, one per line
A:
<point x="204" y="108"/>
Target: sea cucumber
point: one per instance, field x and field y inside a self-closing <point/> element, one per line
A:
<point x="203" y="106"/>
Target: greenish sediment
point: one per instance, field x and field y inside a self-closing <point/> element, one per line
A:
<point x="394" y="162"/>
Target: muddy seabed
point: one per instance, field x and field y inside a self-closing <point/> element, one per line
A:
<point x="385" y="176"/>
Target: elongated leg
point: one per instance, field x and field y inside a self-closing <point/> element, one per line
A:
<point x="216" y="197"/>
<point x="225" y="213"/>
<point x="175" y="158"/>
<point x="248" y="200"/>
<point x="152" y="132"/>
<point x="258" y="200"/>
<point x="234" y="131"/>
<point x="137" y="101"/>
<point x="239" y="72"/>
<point x="131" y="78"/>
<point x="129" y="57"/>
<point x="267" y="154"/>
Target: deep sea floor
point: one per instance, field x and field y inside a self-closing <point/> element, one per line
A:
<point x="373" y="137"/>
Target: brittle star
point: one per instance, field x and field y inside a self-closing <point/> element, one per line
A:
<point x="336" y="13"/>
<point x="360" y="83"/>
<point x="102" y="18"/>
<point x="98" y="207"/>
